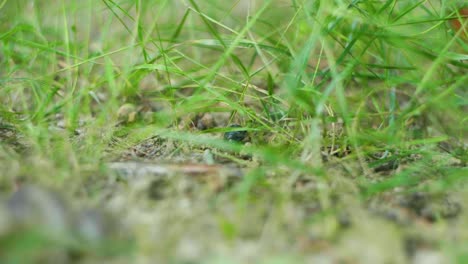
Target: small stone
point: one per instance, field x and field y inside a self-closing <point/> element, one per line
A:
<point x="35" y="206"/>
<point x="237" y="135"/>
<point x="205" y="121"/>
<point x="127" y="113"/>
<point x="93" y="226"/>
<point x="158" y="188"/>
<point x="387" y="166"/>
<point x="427" y="256"/>
<point x="208" y="157"/>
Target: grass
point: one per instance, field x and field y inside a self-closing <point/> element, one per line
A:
<point x="331" y="93"/>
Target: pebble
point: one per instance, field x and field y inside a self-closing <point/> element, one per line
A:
<point x="36" y="207"/>
<point x="127" y="113"/>
<point x="205" y="121"/>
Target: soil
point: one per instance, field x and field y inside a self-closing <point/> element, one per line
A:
<point x="183" y="201"/>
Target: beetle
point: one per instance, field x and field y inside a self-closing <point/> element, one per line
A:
<point x="236" y="135"/>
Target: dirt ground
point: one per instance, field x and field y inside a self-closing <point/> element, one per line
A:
<point x="167" y="201"/>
